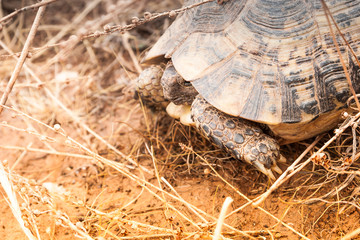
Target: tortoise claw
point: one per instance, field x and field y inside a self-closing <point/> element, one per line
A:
<point x="276" y="169"/>
<point x="240" y="137"/>
<point x="282" y="159"/>
<point x="264" y="170"/>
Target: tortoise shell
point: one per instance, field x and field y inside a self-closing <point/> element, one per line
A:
<point x="269" y="61"/>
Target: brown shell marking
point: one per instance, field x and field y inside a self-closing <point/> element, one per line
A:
<point x="268" y="61"/>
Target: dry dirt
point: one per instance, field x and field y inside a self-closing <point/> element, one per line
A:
<point x="117" y="170"/>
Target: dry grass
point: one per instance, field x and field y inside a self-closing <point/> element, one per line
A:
<point x="80" y="157"/>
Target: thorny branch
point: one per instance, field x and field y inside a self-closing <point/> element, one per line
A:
<point x="148" y="17"/>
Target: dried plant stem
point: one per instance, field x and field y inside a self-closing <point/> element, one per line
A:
<point x="74" y="22"/>
<point x="147" y="186"/>
<point x="128" y="48"/>
<point x="111" y="29"/>
<point x="333" y="192"/>
<point x="23" y="55"/>
<point x="226" y="205"/>
<point x="294" y="169"/>
<point x="12" y="201"/>
<point x="75" y="118"/>
<point x="347" y="75"/>
<point x="81" y="232"/>
<point x="36" y="5"/>
<point x="39" y="150"/>
<point x="245" y="197"/>
<point x="351" y="235"/>
<point x="149" y="236"/>
<point x="21" y="157"/>
<point x="198" y="211"/>
<point x="288" y="173"/>
<point x="186" y="203"/>
<point x="341" y="34"/>
<point x="120" y="167"/>
<point x="151" y="152"/>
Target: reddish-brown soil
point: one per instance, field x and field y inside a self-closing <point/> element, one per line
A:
<point x="69" y="182"/>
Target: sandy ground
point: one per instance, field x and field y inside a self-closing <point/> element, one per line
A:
<point x="87" y="160"/>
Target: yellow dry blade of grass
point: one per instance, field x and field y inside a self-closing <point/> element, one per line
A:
<point x="12" y="201"/>
<point x="351" y="235"/>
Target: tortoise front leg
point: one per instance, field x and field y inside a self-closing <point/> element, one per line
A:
<point x="242" y="138"/>
<point x="148" y="87"/>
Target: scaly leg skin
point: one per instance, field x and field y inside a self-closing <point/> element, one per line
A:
<point x="148" y="87"/>
<point x="242" y="138"/>
<point x="159" y="85"/>
<point x="176" y="89"/>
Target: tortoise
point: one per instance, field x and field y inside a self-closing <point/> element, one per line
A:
<point x="254" y="75"/>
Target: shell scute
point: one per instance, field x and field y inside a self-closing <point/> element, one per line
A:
<point x="194" y="56"/>
<point x="268" y="61"/>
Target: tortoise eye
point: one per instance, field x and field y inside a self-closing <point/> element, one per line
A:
<point x="182" y="82"/>
<point x="187" y="84"/>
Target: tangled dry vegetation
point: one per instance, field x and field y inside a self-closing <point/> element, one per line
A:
<point x="81" y="158"/>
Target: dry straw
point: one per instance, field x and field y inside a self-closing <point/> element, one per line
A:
<point x="153" y="165"/>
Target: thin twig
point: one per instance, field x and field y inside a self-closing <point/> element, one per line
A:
<point x="128" y="48"/>
<point x="249" y="201"/>
<point x="185" y="202"/>
<point x="285" y="176"/>
<point x="327" y="11"/>
<point x="81" y="232"/>
<point x="24" y="54"/>
<point x="66" y="29"/>
<point x="226" y="205"/>
<point x="293" y="169"/>
<point x="21" y="157"/>
<point x="29" y="149"/>
<point x="107" y="29"/>
<point x="140" y="21"/>
<point x="36" y="5"/>
<point x="351" y="235"/>
<point x="13" y="202"/>
<point x="334" y="191"/>
<point x="75" y="118"/>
